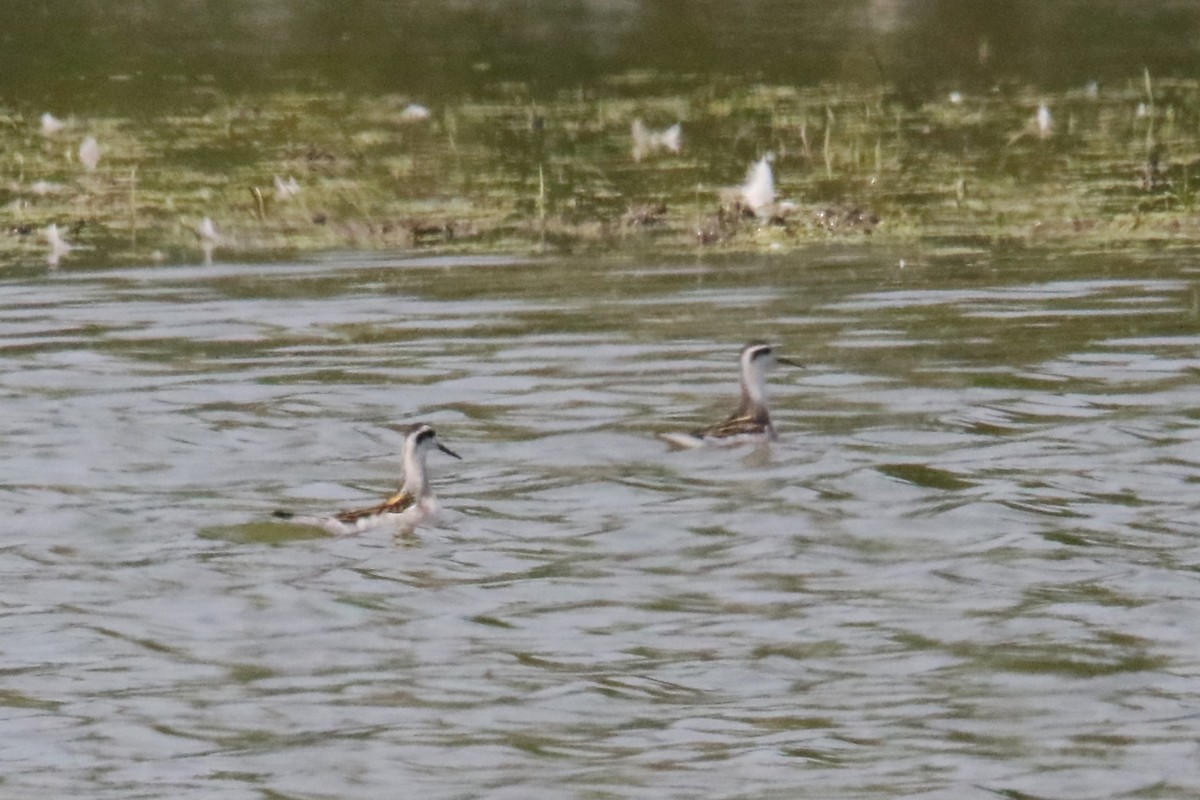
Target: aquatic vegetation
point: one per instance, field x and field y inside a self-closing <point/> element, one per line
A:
<point x="506" y="171"/>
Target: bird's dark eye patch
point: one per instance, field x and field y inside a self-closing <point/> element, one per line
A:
<point x="425" y="435"/>
<point x="760" y="352"/>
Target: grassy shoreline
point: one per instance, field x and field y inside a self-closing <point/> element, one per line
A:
<point x="1115" y="167"/>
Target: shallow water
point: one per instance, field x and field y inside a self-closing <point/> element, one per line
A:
<point x="967" y="569"/>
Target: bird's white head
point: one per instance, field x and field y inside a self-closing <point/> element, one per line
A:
<point x="421" y="438"/>
<point x="759" y="358"/>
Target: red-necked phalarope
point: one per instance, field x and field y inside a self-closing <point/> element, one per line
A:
<point x="751" y="422"/>
<point x="404" y="510"/>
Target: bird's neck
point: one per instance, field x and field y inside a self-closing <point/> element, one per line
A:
<point x="415" y="482"/>
<point x="754" y="389"/>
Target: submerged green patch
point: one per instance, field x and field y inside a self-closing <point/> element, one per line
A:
<point x="294" y="173"/>
<point x="924" y="475"/>
<point x="263" y="533"/>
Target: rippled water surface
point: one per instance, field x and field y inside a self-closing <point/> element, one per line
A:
<point x="967" y="569"/>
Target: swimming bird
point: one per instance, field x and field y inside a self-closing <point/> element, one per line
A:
<point x="412" y="504"/>
<point x="750" y="421"/>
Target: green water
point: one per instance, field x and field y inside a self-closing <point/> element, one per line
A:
<point x="93" y="55"/>
<point x="966" y="569"/>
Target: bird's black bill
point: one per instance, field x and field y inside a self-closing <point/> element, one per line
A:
<point x="788" y="361"/>
<point x="448" y="451"/>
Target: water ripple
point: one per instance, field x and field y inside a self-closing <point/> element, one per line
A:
<point x="968" y="567"/>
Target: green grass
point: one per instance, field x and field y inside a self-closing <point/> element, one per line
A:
<point x="506" y="173"/>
